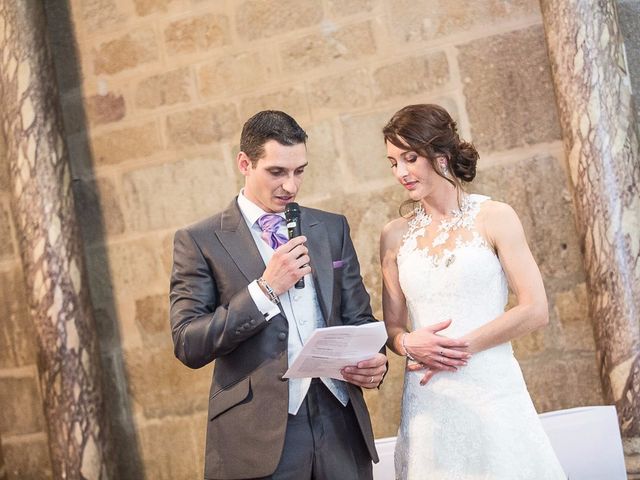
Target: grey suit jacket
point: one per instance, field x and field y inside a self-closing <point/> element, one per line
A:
<point x="214" y="318"/>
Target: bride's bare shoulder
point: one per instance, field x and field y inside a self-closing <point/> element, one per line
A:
<point x="393" y="232"/>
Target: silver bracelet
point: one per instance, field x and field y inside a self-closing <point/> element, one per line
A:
<point x="406" y="352"/>
<point x="270" y="293"/>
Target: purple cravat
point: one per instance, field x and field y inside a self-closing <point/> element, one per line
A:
<point x="269" y="223"/>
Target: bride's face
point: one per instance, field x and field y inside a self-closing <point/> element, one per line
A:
<point x="413" y="171"/>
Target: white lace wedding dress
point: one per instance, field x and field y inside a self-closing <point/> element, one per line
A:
<point x="479" y="422"/>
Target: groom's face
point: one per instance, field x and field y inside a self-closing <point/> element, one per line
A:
<point x="275" y="178"/>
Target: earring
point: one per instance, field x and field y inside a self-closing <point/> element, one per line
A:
<point x="445" y="169"/>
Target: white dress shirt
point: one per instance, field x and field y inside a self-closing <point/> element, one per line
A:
<point x="300" y="307"/>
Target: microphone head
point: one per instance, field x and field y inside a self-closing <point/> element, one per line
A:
<point x="292" y="211"/>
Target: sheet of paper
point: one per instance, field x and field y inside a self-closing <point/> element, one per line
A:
<point x="330" y="349"/>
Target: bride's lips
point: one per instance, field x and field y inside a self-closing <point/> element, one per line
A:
<point x="410" y="185"/>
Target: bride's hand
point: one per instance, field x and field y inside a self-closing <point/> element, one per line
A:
<point x="434" y="351"/>
<point x="428" y="372"/>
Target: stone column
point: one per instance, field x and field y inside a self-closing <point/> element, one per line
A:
<point x="601" y="143"/>
<point x="3" y="468"/>
<point x="50" y="248"/>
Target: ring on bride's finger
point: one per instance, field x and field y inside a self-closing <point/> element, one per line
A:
<point x="441" y="353"/>
<point x="371" y="379"/>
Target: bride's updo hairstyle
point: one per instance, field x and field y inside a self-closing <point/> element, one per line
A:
<point x="429" y="130"/>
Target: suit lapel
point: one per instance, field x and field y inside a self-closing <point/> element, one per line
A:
<point x="321" y="262"/>
<point x="235" y="237"/>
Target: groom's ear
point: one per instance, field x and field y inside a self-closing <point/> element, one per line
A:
<point x="244" y="163"/>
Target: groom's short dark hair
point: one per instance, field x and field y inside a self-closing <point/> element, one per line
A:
<point x="269" y="125"/>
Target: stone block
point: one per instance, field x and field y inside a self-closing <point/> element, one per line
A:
<point x="558" y="380"/>
<point x="290" y="100"/>
<point x="122" y="144"/>
<point x="167" y="252"/>
<point x="147" y="7"/>
<point x="329" y="48"/>
<point x="17" y="341"/>
<point x="364" y="145"/>
<point x="411" y="76"/>
<point x="197" y="34"/>
<point x="174" y="459"/>
<point x="27" y="459"/>
<point x="106" y="108"/>
<point x="257" y="19"/>
<point x="322" y="175"/>
<point x="424" y="20"/>
<point x="537" y="190"/>
<point x="101" y="14"/>
<point x="338" y="93"/>
<point x="162" y="386"/>
<point x="21" y="406"/>
<point x="342" y="8"/>
<point x="5" y="179"/>
<point x="7" y="249"/>
<point x="509" y="91"/>
<point x="233" y="73"/>
<point x="152" y="316"/>
<point x="175" y="194"/>
<point x="571" y="308"/>
<point x="128" y="51"/>
<point x="124" y="269"/>
<point x="203" y="125"/>
<point x="98" y="209"/>
<point x="164" y="89"/>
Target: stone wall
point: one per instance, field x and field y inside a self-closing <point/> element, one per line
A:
<point x="154" y="93"/>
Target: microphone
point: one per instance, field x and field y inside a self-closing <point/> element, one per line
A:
<point x="292" y="215"/>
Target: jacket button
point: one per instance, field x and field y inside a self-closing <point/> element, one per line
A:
<point x="252" y="321"/>
<point x="282" y="336"/>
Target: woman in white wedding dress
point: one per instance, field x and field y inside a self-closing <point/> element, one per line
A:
<point x="447" y="266"/>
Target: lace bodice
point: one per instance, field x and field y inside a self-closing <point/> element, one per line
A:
<point x="451" y="273"/>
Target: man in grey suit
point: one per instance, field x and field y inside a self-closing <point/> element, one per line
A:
<point x="233" y="300"/>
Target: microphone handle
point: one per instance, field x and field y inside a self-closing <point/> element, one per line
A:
<point x="293" y="228"/>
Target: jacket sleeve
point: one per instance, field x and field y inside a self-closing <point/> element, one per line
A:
<point x="202" y="328"/>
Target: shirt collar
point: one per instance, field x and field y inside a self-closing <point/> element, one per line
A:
<point x="250" y="211"/>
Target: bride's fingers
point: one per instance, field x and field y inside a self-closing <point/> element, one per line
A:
<point x="427" y="376"/>
<point x="453" y="343"/>
<point x="455" y="354"/>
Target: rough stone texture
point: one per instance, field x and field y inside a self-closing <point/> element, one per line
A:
<point x="629" y="18"/>
<point x="101" y="14"/>
<point x="6" y="237"/>
<point x="340" y="8"/>
<point x="411" y="76"/>
<point x="232" y="74"/>
<point x="330" y="48"/>
<point x="126" y="269"/>
<point x="412" y="20"/>
<point x="196" y="34"/>
<point x="105" y="108"/>
<point x="507" y="84"/>
<point x="132" y="49"/>
<point x="4" y="166"/>
<point x="175" y="458"/>
<point x="292" y="100"/>
<point x="164" y="89"/>
<point x="152" y="314"/>
<point x="202" y="126"/>
<point x="21" y="406"/>
<point x="561" y="380"/>
<point x="135" y="141"/>
<point x="28" y="459"/>
<point x="147" y="7"/>
<point x="364" y="145"/>
<point x="323" y="174"/>
<point x="337" y="92"/>
<point x="150" y="194"/>
<point x="98" y="209"/>
<point x="17" y="344"/>
<point x="154" y="376"/>
<point x="262" y="18"/>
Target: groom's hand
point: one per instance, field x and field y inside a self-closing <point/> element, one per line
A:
<point x="289" y="263"/>
<point x="368" y="373"/>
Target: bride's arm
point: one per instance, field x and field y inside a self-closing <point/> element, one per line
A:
<point x="504" y="230"/>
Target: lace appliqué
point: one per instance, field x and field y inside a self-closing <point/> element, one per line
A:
<point x="460" y="225"/>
